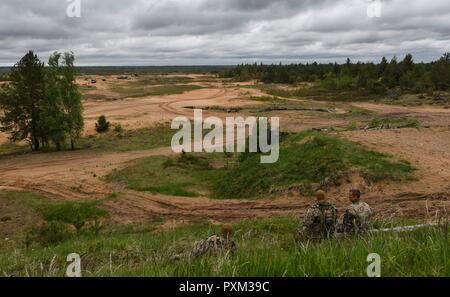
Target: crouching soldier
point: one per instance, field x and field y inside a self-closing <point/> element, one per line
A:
<point x="216" y="245"/>
<point x="357" y="216"/>
<point x="320" y="221"/>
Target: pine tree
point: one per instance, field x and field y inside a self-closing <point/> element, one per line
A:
<point x="21" y="101"/>
<point x="102" y="124"/>
<point x="382" y="67"/>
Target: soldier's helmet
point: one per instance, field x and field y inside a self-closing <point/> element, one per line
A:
<point x="321" y="196"/>
<point x="355" y="195"/>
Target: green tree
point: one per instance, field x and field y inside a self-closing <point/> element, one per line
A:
<point x="53" y="119"/>
<point x="441" y="73"/>
<point x="425" y="83"/>
<point x="71" y="99"/>
<point x="382" y="66"/>
<point x="42" y="104"/>
<point x="22" y="99"/>
<point x="63" y="112"/>
<point x="407" y="63"/>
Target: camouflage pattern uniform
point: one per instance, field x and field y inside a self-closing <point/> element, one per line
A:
<point x="356" y="218"/>
<point x="320" y="221"/>
<point x="214" y="245"/>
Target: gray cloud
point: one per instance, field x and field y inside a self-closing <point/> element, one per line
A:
<point x="168" y="32"/>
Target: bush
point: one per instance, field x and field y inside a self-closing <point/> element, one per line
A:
<point x="352" y="126"/>
<point x="168" y="163"/>
<point x="190" y="160"/>
<point x="102" y="124"/>
<point x="118" y="129"/>
<point x="48" y="234"/>
<point x="75" y="214"/>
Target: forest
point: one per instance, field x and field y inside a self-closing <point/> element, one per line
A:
<point x="373" y="78"/>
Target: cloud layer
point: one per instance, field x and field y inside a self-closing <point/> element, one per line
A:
<point x="181" y="32"/>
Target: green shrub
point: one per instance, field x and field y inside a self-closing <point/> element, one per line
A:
<point x="75" y="214"/>
<point x="352" y="126"/>
<point x="48" y="234"/>
<point x="169" y="163"/>
<point x="102" y="124"/>
<point x="191" y="160"/>
<point x="118" y="129"/>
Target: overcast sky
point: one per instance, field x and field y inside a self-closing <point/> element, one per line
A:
<point x="191" y="32"/>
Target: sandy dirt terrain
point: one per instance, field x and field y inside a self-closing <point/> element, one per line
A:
<point x="134" y="113"/>
<point x="78" y="175"/>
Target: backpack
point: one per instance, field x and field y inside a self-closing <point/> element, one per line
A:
<point x="328" y="218"/>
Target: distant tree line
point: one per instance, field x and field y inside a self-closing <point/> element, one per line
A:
<point x="42" y="104"/>
<point x="371" y="77"/>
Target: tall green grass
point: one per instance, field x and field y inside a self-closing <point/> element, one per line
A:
<point x="266" y="247"/>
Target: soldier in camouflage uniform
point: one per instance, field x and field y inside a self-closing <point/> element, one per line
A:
<point x="216" y="245"/>
<point x="357" y="216"/>
<point x="320" y="221"/>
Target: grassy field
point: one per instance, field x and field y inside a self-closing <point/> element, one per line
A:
<point x="188" y="177"/>
<point x="308" y="161"/>
<point x="266" y="247"/>
<point x="19" y="210"/>
<point x="94" y="96"/>
<point x="161" y="80"/>
<point x="141" y="91"/>
<point x="13" y="148"/>
<point x="316" y="92"/>
<point x="112" y="141"/>
<point x="129" y="140"/>
<point x="420" y="99"/>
